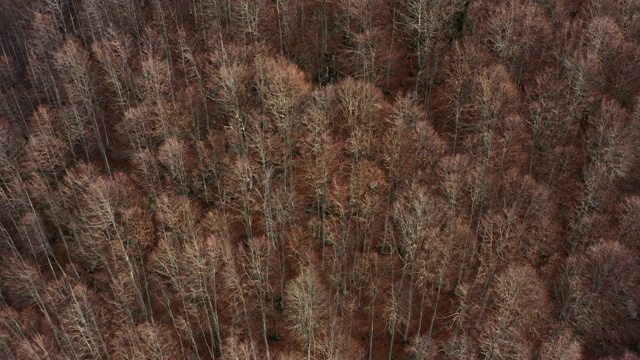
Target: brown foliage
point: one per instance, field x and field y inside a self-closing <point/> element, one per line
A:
<point x="228" y="179"/>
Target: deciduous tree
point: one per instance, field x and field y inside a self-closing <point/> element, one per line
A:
<point x="600" y="280"/>
<point x="306" y="304"/>
<point x="72" y="62"/>
<point x="521" y="315"/>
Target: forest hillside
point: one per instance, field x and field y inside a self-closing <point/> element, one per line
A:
<point x="319" y="179"/>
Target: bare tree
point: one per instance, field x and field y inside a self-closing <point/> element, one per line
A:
<point x="28" y="287"/>
<point x="307" y="309"/>
<point x="19" y="338"/>
<point x="283" y="92"/>
<point x="630" y="224"/>
<point x="233" y="288"/>
<point x="360" y="104"/>
<point x="564" y="346"/>
<point x="94" y="19"/>
<point x="453" y="182"/>
<point x="493" y="100"/>
<point x="400" y="138"/>
<point x="210" y="17"/>
<point x="321" y="157"/>
<point x="609" y="142"/>
<point x="147" y="171"/>
<point x="499" y="232"/>
<point x="128" y="16"/>
<point x="78" y="320"/>
<point x="44" y="41"/>
<point x="518" y="32"/>
<point x="599" y="281"/>
<point x="156" y="342"/>
<point x="46" y="153"/>
<point x="608" y="150"/>
<point x="108" y="249"/>
<point x="417" y="216"/>
<point x="460" y="87"/>
<point x="194" y="73"/>
<point x="425" y="24"/>
<point x="37" y="347"/>
<point x="258" y="268"/>
<point x="213" y="168"/>
<point x="522" y="314"/>
<point x="243" y="183"/>
<point x="190" y="270"/>
<point x="361" y="33"/>
<point x="173" y="155"/>
<point x="171" y="263"/>
<point x="287" y="11"/>
<point x="545" y="121"/>
<point x="144" y="126"/>
<point x="72" y="61"/>
<point x="155" y="79"/>
<point x="113" y="55"/>
<point x="230" y="91"/>
<point x="237" y="296"/>
<point x="34" y="236"/>
<point x="248" y="17"/>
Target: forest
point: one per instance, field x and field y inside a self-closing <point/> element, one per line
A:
<point x="320" y="179"/>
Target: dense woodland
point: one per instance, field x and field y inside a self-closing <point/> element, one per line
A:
<point x="319" y="179"/>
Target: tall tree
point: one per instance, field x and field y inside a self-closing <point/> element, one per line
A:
<point x="306" y="307"/>
<point x="519" y="32"/>
<point x="43" y="41"/>
<point x="600" y="279"/>
<point x="425" y="25"/>
<point x="321" y="155"/>
<point x="283" y="92"/>
<point x="114" y="56"/>
<point x="521" y="314"/>
<point x="72" y="61"/>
